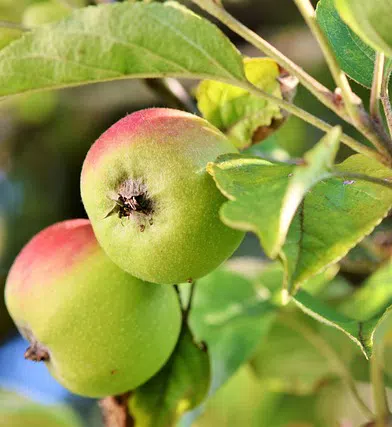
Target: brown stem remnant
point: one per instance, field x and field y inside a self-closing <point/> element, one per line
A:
<point x="37" y="353"/>
<point x="115" y="411"/>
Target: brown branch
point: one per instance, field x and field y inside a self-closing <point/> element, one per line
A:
<point x="115" y="411"/>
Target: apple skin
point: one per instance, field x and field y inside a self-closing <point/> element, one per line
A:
<point x="105" y="332"/>
<point x="182" y="237"/>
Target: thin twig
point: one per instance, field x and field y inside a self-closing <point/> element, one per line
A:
<point x="352" y="103"/>
<point x="386" y="102"/>
<point x="375" y="93"/>
<point x="322" y="93"/>
<point x="173" y="93"/>
<point x="190" y="300"/>
<point x="315" y="121"/>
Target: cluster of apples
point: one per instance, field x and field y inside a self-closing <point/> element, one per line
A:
<point x="95" y="298"/>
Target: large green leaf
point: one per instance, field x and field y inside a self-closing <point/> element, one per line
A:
<point x="181" y="385"/>
<point x="265" y="196"/>
<point x="355" y="57"/>
<point x="371" y="20"/>
<point x="244" y="117"/>
<point x="334" y="215"/>
<point x="118" y="41"/>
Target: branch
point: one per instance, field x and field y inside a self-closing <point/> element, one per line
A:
<point x="115" y="411"/>
<point x="173" y="93"/>
<point x="316" y="88"/>
<point x="352" y="103"/>
<point x="315" y="121"/>
<point x="322" y="93"/>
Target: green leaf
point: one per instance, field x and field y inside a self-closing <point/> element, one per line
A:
<point x="244" y="117"/>
<point x="118" y="41"/>
<point x="373" y="297"/>
<point x="362" y="333"/>
<point x="181" y="385"/>
<point x="289" y="359"/>
<point x="7" y="35"/>
<point x="265" y="196"/>
<point x="333" y="217"/>
<point x="246" y="402"/>
<point x="231" y="316"/>
<point x="371" y="20"/>
<point x="374" y="301"/>
<point x="354" y="56"/>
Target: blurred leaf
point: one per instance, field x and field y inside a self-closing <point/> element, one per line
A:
<point x="354" y="56"/>
<point x="117" y="41"/>
<point x="231" y="316"/>
<point x="269" y="281"/>
<point x="374" y="301"/>
<point x="373" y="297"/>
<point x="246" y="402"/>
<point x="181" y="385"/>
<point x="269" y="149"/>
<point x="361" y="332"/>
<point x="244" y="117"/>
<point x="17" y="411"/>
<point x="35" y="108"/>
<point x="371" y="20"/>
<point x="7" y="35"/>
<point x="265" y="196"/>
<point x="287" y="361"/>
<point x="44" y="12"/>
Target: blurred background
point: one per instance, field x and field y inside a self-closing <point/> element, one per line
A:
<point x="43" y="140"/>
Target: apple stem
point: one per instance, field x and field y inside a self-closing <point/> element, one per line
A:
<point x="37" y="353"/>
<point x="115" y="411"/>
<point x="188" y="308"/>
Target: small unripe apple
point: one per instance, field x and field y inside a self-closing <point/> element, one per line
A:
<point x="152" y="204"/>
<point x="43" y="13"/>
<point x="99" y="330"/>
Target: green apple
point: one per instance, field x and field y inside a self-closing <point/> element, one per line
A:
<point x="152" y="204"/>
<point x="99" y="330"/>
